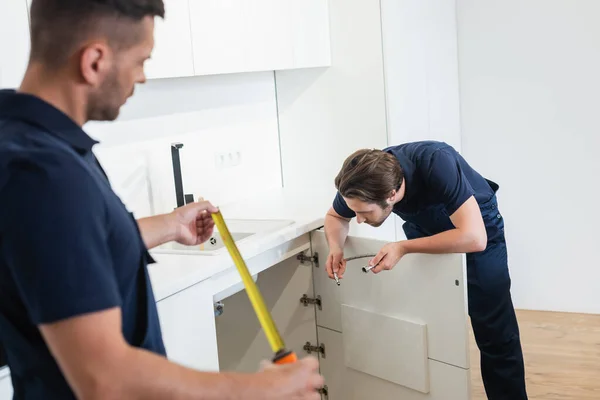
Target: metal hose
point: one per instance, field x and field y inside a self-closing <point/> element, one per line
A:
<point x="360" y="256"/>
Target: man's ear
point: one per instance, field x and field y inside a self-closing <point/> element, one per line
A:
<point x="95" y="62"/>
<point x="392" y="196"/>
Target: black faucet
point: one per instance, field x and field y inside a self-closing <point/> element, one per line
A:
<point x="179" y="193"/>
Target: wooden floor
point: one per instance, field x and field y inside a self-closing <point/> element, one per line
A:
<point x="562" y="356"/>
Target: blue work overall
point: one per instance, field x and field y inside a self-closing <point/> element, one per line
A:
<point x="490" y="305"/>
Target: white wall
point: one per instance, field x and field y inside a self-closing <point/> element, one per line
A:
<point x="530" y="82"/>
<point x="421" y="73"/>
<point x="14" y="42"/>
<point x="421" y="70"/>
<point x="393" y="80"/>
<point x="210" y="116"/>
<point x="326" y="114"/>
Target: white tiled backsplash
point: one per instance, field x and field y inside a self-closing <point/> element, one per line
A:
<point x="211" y="116"/>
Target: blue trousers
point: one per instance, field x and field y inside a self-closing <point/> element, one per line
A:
<point x="491" y="310"/>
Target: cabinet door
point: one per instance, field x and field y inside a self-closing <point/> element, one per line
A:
<point x="218" y="35"/>
<point x="6" y="390"/>
<point x="187" y="321"/>
<point x="399" y="330"/>
<point x="239" y="36"/>
<point x="14" y="24"/>
<point x="241" y="340"/>
<point x="172" y="55"/>
<point x="310" y="33"/>
<point x="447" y="381"/>
<point x="269" y="44"/>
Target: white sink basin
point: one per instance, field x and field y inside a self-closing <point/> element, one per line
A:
<point x="240" y="229"/>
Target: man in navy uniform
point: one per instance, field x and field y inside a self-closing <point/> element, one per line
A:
<point x="448" y="207"/>
<point x="77" y="315"/>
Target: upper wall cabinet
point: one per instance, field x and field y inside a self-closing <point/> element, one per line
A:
<point x="172" y="56"/>
<point x="240" y="36"/>
<point x="14" y="45"/>
<point x="310" y="33"/>
<point x="204" y="37"/>
<point x="207" y="37"/>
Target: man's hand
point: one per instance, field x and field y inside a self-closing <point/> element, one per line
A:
<point x="297" y="381"/>
<point x="98" y="363"/>
<point x="388" y="257"/>
<point x="336" y="263"/>
<point x="193" y="223"/>
<point x="336" y="232"/>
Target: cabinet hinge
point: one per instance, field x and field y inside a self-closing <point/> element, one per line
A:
<point x="304" y="258"/>
<point x="218" y="309"/>
<point x="309" y="348"/>
<point x="325" y="392"/>
<point x="307" y="300"/>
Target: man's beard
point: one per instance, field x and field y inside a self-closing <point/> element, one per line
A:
<point x="105" y="104"/>
<point x="386" y="213"/>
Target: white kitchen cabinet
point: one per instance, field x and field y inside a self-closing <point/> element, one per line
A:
<point x="311" y="41"/>
<point x="242" y="342"/>
<point x="239" y="36"/>
<point x="172" y="56"/>
<point x="232" y="36"/>
<point x="6" y="390"/>
<point x="14" y="45"/>
<point x="218" y="36"/>
<point x="268" y="44"/>
<point x="447" y="381"/>
<point x="205" y="37"/>
<point x="397" y="334"/>
<point x="188" y="328"/>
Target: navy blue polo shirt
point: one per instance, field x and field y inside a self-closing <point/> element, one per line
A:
<point x="438" y="181"/>
<point x="68" y="245"/>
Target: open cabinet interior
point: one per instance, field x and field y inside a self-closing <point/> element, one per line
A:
<point x="400" y="334"/>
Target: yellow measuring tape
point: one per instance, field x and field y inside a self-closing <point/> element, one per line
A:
<point x="264" y="317"/>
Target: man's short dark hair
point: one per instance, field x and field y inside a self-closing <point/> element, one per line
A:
<point x="370" y="176"/>
<point x="59" y="26"/>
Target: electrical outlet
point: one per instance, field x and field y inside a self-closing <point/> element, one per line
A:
<point x="228" y="160"/>
<point x="236" y="158"/>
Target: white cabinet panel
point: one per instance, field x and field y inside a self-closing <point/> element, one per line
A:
<point x="232" y="36"/>
<point x="447" y="382"/>
<point x="188" y="328"/>
<point x="239" y="36"/>
<point x="206" y="37"/>
<point x="422" y="287"/>
<point x="6" y="390"/>
<point x="310" y="33"/>
<point x="268" y="36"/>
<point x="218" y="35"/>
<point x="399" y="354"/>
<point x="242" y="342"/>
<point x="14" y="42"/>
<point x="172" y="55"/>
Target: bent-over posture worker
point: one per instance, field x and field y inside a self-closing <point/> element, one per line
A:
<point x="448" y="207"/>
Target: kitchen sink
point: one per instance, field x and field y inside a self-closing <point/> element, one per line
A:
<point x="240" y="229"/>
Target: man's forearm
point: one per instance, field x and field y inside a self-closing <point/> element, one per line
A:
<point x="144" y="375"/>
<point x="452" y="241"/>
<point x="157" y="230"/>
<point x="336" y="232"/>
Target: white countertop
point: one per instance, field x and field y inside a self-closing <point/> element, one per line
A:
<point x="307" y="208"/>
